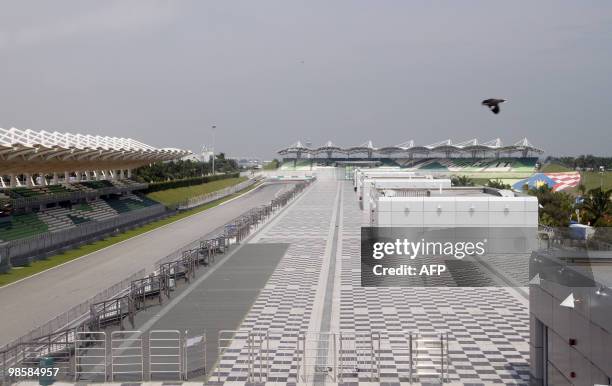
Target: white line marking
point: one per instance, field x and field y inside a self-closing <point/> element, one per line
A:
<point x="128" y="239"/>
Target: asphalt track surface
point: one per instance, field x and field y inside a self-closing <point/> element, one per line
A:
<point x="36" y="300"/>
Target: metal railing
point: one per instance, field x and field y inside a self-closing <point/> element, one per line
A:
<point x="126" y="298"/>
<point x="44" y="199"/>
<point x="50" y="241"/>
<point x="75" y="314"/>
<point x="192" y="202"/>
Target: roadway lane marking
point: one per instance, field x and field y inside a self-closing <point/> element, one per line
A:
<point x="169" y="306"/>
<point x="131" y="238"/>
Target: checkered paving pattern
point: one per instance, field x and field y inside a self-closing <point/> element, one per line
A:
<point x="487" y="327"/>
<point x="283" y="309"/>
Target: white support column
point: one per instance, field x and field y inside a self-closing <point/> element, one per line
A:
<point x="121" y="174"/>
<point x="129" y="173"/>
<point x="13" y="182"/>
<point x="55" y="179"/>
<point x="66" y="177"/>
<point x="78" y="176"/>
<point x="28" y="180"/>
<point x="87" y="175"/>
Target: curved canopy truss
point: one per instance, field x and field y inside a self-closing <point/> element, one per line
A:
<point x="25" y="152"/>
<point x="471" y="147"/>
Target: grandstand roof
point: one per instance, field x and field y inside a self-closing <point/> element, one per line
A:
<point x="409" y="147"/>
<point x="30" y="151"/>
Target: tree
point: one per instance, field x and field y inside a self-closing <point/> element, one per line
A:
<point x="175" y="170"/>
<point x="555" y="207"/>
<point x="272" y="165"/>
<point x="597" y="206"/>
<point x="462" y="181"/>
<point x="498" y="184"/>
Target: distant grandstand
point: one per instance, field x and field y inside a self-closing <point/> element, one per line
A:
<point x="464" y="157"/>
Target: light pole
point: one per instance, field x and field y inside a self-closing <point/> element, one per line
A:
<point x="213" y="148"/>
<point x="202" y="158"/>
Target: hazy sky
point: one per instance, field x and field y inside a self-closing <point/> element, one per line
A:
<point x="268" y="73"/>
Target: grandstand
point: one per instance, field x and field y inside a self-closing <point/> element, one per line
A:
<point x="52" y="183"/>
<point x="31" y="158"/>
<point x="50" y="208"/>
<point x="446" y="156"/>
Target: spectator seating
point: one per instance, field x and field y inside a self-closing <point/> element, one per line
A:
<point x="21" y="226"/>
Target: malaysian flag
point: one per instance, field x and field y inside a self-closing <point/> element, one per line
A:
<point x="557" y="181"/>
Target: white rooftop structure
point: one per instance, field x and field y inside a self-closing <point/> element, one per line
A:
<point x="453" y="207"/>
<point x="28" y="152"/>
<point x="473" y="147"/>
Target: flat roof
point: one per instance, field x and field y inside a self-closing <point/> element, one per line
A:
<point x="454" y="192"/>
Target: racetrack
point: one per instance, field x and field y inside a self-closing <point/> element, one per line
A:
<point x="33" y="301"/>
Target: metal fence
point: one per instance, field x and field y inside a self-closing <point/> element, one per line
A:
<point x="75" y="313"/>
<point x="216" y="195"/>
<point x="324" y="356"/>
<point x="22" y="250"/>
<point x="71" y="328"/>
<point x="245" y="223"/>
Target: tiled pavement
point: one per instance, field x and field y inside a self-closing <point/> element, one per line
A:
<point x="488" y="327"/>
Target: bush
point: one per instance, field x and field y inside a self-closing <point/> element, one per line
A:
<point x="157" y="186"/>
<point x="498" y="184"/>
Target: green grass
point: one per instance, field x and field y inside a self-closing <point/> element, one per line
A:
<point x="554" y="168"/>
<point x="592" y="180"/>
<point x="178" y="195"/>
<point x="18" y="273"/>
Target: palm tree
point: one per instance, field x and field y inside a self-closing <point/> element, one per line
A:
<point x="462" y="181"/>
<point x="597" y="204"/>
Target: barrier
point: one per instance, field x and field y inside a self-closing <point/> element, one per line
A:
<point x="429" y="357"/>
<point x="257" y="345"/>
<point x="113" y="305"/>
<point x="23" y="249"/>
<point x="65" y="323"/>
<point x="332" y="357"/>
<point x="152" y="286"/>
<point x="127" y="356"/>
<point x="339" y="357"/>
<point x="317" y="357"/>
<point x="90" y="356"/>
<point x="213" y="196"/>
<point x="359" y="353"/>
<point x="165" y="354"/>
<point x="112" y="311"/>
<point x="194" y="355"/>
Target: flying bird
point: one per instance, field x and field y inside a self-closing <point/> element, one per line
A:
<point x="493" y="104"/>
